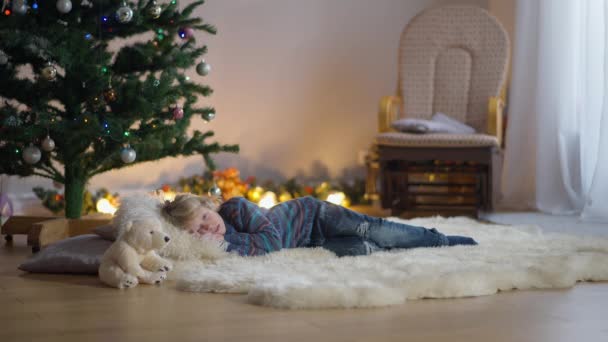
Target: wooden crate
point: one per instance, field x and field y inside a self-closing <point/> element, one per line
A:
<point x="434" y="189"/>
<point x="44" y="230"/>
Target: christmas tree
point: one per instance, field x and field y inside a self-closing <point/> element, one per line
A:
<point x="97" y="85"/>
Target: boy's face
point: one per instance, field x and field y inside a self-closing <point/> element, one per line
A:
<point x="206" y="222"/>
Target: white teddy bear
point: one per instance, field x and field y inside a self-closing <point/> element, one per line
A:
<point x="132" y="258"/>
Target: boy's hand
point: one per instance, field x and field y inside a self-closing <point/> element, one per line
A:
<point x="204" y="235"/>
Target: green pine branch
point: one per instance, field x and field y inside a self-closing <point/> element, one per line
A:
<point x="102" y="99"/>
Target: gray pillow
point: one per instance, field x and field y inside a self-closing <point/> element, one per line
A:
<point x="76" y="255"/>
<point x="107" y="232"/>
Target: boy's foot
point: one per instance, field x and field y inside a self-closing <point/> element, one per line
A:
<point x="454" y="240"/>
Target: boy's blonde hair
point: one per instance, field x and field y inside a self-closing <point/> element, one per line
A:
<point x="182" y="208"/>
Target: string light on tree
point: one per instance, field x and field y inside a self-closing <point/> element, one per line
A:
<point x="203" y="68"/>
<point x="160" y="34"/>
<point x="128" y="154"/>
<point x="31" y="154"/>
<point x="97" y="103"/>
<point x="64" y="6"/>
<point x="185" y="33"/>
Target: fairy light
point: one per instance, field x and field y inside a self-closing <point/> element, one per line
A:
<point x="7" y="12"/>
<point x="336" y="198"/>
<point x="268" y="200"/>
<point x="104" y="206"/>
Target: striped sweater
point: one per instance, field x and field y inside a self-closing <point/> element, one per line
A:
<point x="251" y="230"/>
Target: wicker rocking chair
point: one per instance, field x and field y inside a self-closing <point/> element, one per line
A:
<point x="452" y="60"/>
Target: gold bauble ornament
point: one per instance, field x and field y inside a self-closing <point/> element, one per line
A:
<point x="255" y="194"/>
<point x="154" y="10"/>
<point x="49" y="72"/>
<point x="110" y="95"/>
<point x="285" y="196"/>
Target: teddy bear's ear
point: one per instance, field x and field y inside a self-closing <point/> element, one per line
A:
<point x="125" y="227"/>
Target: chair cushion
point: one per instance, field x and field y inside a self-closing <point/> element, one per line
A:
<point x="436" y="140"/>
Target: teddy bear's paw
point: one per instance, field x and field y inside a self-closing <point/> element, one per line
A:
<point x="129" y="282"/>
<point x="165" y="268"/>
<point x="157" y="278"/>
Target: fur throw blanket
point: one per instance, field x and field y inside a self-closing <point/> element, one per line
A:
<point x="507" y="258"/>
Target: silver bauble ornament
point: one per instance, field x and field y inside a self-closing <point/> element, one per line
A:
<point x="154" y="10"/>
<point x="215" y="191"/>
<point x="48" y="144"/>
<point x="20" y="6"/>
<point x="209" y="116"/>
<point x="203" y="68"/>
<point x="31" y="154"/>
<point x="64" y="6"/>
<point x="128" y="155"/>
<point x="124" y="14"/>
<point x="49" y="72"/>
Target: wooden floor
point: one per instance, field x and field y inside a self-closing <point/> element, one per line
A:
<point x="78" y="308"/>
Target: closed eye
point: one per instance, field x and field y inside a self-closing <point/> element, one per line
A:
<point x="205" y="217"/>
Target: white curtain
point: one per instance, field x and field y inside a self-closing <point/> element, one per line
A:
<point x="556" y="157"/>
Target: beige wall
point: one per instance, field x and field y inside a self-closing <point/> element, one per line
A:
<point x="296" y="85"/>
<point x="504" y="10"/>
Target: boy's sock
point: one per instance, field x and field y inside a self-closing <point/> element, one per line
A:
<point x="454" y="240"/>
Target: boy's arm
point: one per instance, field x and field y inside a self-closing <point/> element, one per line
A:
<point x="254" y="233"/>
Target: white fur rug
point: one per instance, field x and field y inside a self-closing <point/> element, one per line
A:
<point x="508" y="257"/>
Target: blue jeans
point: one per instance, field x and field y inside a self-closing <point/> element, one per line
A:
<point x="346" y="232"/>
